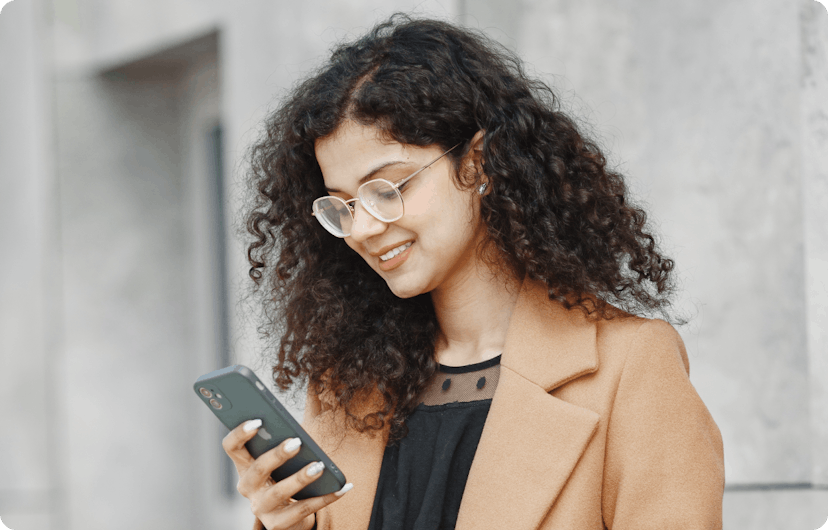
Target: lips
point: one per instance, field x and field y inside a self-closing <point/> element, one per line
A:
<point x="397" y="260"/>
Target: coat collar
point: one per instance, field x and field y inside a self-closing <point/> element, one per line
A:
<point x="547" y="344"/>
<point x="513" y="481"/>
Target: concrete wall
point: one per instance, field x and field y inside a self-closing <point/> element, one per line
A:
<point x="94" y="35"/>
<point x="128" y="331"/>
<point x="108" y="247"/>
<point x="30" y="271"/>
<point x="139" y="267"/>
<point x="814" y="166"/>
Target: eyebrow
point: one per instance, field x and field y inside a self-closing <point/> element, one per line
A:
<point x="370" y="175"/>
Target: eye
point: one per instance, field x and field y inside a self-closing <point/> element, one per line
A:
<point x="388" y="194"/>
<point x="350" y="205"/>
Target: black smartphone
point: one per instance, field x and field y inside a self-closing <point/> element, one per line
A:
<point x="236" y="395"/>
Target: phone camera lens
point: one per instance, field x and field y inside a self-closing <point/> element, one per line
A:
<point x="215" y="404"/>
<point x="206" y="393"/>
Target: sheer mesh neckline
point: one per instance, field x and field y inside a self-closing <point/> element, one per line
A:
<point x="469" y="367"/>
<point x="462" y="384"/>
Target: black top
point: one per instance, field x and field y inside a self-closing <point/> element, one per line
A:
<point x="423" y="476"/>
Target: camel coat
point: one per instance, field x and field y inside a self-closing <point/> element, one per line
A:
<point x="592" y="426"/>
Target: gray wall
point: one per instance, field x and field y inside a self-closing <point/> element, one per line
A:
<point x="813" y="121"/>
<point x="717" y="112"/>
<point x="30" y="280"/>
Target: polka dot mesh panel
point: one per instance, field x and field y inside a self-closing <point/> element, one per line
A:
<point x="452" y="384"/>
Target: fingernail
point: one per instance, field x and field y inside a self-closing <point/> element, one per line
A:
<point x="345" y="489"/>
<point x="293" y="444"/>
<point x="316" y="469"/>
<point x="252" y="425"/>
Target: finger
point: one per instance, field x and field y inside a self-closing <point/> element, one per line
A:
<point x="285" y="489"/>
<point x="258" y="472"/>
<point x="301" y="509"/>
<point x="233" y="444"/>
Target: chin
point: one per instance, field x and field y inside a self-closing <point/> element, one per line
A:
<point x="403" y="289"/>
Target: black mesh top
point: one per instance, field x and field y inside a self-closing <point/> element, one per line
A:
<point x="423" y="476"/>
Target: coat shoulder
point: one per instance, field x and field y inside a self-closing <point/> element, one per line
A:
<point x="633" y="336"/>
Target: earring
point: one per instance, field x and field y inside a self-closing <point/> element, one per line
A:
<point x="482" y="188"/>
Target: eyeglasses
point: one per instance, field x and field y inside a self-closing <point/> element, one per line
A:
<point x="380" y="198"/>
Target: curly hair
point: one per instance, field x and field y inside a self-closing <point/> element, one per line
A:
<point x="555" y="212"/>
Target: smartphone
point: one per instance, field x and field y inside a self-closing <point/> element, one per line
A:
<point x="236" y="395"/>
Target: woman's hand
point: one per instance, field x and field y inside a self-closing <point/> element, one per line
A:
<point x="271" y="501"/>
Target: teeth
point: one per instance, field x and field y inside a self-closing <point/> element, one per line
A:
<point x="393" y="252"/>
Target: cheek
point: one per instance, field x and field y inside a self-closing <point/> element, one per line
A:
<point x="449" y="224"/>
<point x="427" y="201"/>
<point x="439" y="202"/>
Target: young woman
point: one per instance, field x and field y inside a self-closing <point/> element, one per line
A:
<point x="452" y="268"/>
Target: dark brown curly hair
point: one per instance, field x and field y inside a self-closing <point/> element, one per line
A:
<point x="554" y="211"/>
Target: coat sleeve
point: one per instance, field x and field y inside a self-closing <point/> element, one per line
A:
<point x="664" y="466"/>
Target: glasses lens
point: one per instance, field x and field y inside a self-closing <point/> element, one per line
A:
<point x="382" y="200"/>
<point x="334" y="215"/>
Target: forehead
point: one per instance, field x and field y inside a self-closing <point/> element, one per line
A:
<point x="353" y="151"/>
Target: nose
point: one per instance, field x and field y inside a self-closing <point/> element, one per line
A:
<point x="365" y="225"/>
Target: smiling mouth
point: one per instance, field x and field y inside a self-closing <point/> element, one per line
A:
<point x="395" y="251"/>
<point x="395" y="257"/>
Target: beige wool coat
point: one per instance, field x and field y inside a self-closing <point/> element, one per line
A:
<point x="592" y="426"/>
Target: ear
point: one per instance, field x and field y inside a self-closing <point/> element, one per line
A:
<point x="476" y="144"/>
<point x="474" y="160"/>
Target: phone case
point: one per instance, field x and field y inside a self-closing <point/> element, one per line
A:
<point x="236" y="395"/>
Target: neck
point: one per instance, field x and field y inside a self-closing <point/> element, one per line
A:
<point x="474" y="313"/>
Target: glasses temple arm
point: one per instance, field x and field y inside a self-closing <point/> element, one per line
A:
<point x="411" y="176"/>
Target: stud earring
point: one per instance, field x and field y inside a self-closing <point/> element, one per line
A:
<point x="482" y="188"/>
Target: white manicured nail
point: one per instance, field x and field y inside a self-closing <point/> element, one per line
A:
<point x="345" y="489"/>
<point x="252" y="425"/>
<point x="315" y="469"/>
<point x="292" y="444"/>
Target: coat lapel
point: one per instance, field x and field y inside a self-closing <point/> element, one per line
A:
<point x="524" y="457"/>
<point x="532" y="440"/>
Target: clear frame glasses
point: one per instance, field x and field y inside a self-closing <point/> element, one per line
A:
<point x="380" y="198"/>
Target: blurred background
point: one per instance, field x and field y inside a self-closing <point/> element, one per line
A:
<point x="123" y="128"/>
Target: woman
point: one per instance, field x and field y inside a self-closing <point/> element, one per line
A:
<point x="450" y="265"/>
